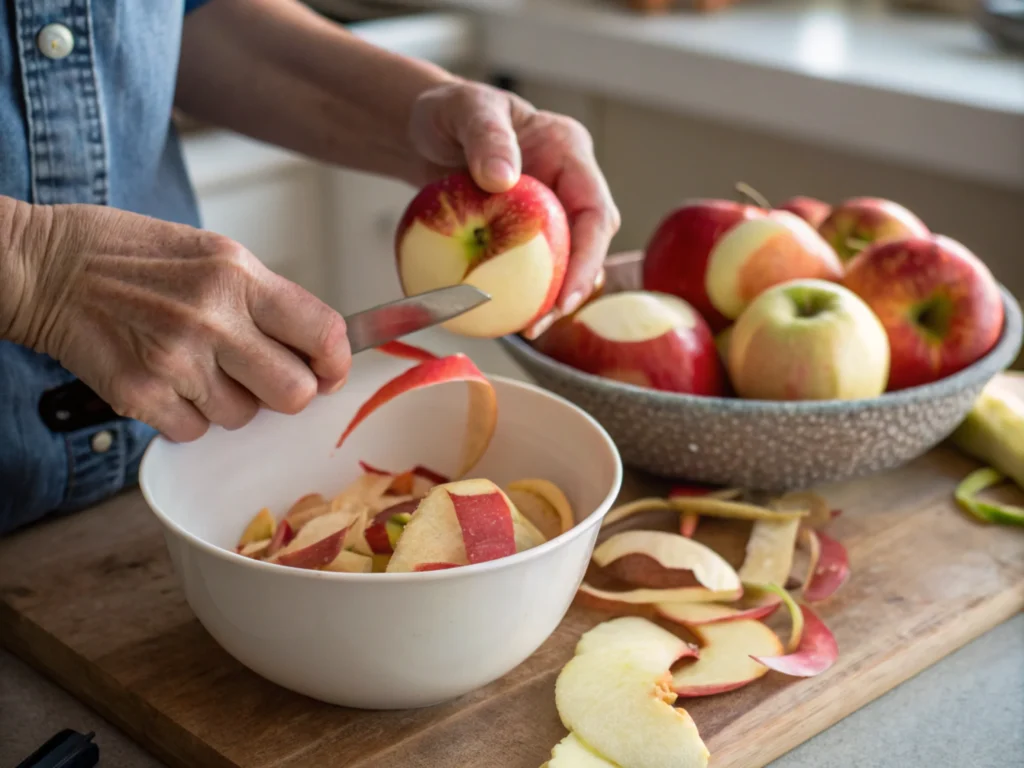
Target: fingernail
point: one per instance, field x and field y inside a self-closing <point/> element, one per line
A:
<point x="572" y="303"/>
<point x="499" y="170"/>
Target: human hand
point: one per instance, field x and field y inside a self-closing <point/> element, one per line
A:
<point x="171" y="325"/>
<point x="498" y="135"/>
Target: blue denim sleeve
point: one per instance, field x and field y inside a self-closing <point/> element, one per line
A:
<point x="191" y="5"/>
<point x="42" y="472"/>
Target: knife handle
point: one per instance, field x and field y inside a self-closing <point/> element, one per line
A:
<point x="74" y="406"/>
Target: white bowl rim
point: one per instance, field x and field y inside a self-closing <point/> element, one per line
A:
<point x="420" y="577"/>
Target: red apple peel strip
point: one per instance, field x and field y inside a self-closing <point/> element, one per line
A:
<point x="422" y="567"/>
<point x="810" y="539"/>
<point x="817" y="652"/>
<point x="281" y="538"/>
<point x="317" y="555"/>
<point x="832" y="571"/>
<point x="688" y="524"/>
<point x="486" y="536"/>
<point x="645" y="596"/>
<point x="483" y="406"/>
<point x="795" y="615"/>
<point x="406" y="351"/>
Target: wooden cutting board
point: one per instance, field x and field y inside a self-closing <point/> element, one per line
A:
<point x="91" y="601"/>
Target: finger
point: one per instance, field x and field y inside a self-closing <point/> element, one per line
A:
<point x="179" y="421"/>
<point x="159" y="406"/>
<point x="273" y="374"/>
<point x="484" y="128"/>
<point x="297" y="319"/>
<point x="591" y="233"/>
<point x="226" y="403"/>
<point x="543" y="323"/>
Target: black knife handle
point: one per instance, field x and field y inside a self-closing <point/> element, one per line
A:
<point x="67" y="749"/>
<point x="74" y="406"/>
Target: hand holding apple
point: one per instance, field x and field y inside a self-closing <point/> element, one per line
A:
<point x="513" y="245"/>
<point x="940" y="305"/>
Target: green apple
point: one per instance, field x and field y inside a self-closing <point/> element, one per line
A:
<point x="808" y="339"/>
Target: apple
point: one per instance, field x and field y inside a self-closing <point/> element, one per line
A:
<point x="614" y="695"/>
<point x="512" y="245"/>
<point x="764" y="251"/>
<point x="315" y="556"/>
<point x="940" y="305"/>
<point x="676" y="256"/>
<point x="350" y="562"/>
<point x="808" y="340"/>
<point x="861" y="221"/>
<point x="810" y="209"/>
<point x="573" y="752"/>
<point x="458" y="523"/>
<point x="725" y="662"/>
<point x="261" y="527"/>
<point x="305" y="509"/>
<point x="639" y="337"/>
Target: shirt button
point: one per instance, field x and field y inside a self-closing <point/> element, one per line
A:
<point x="102" y="441"/>
<point x="55" y="41"/>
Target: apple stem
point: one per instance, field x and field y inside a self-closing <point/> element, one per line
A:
<point x="749" y="193"/>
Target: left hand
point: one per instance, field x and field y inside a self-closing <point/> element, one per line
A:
<point x="498" y="135"/>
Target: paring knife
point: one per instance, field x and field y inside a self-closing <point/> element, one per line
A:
<point x="75" y="406"/>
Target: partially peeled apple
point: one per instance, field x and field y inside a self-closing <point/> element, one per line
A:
<point x="643" y="338"/>
<point x="512" y="245"/>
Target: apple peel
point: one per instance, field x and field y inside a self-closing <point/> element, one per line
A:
<point x="809" y="539"/>
<point x="817" y="651"/>
<point x="769" y="557"/>
<point x="406" y="351"/>
<point x="819" y="513"/>
<point x="696" y="614"/>
<point x="986" y="511"/>
<point x="674" y="552"/>
<point x="832" y="571"/>
<point x="795" y="615"/>
<point x="624" y="511"/>
<point x="483" y="406"/>
<point x="486" y="523"/>
<point x="552" y="495"/>
<point x="737" y="510"/>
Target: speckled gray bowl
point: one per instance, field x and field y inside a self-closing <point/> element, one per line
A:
<point x="772" y="446"/>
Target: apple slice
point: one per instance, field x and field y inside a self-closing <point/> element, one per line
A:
<point x="832" y="571"/>
<point x="675" y="553"/>
<point x="632" y="633"/>
<point x="725" y="662"/>
<point x="350" y="562"/>
<point x="615" y="698"/>
<point x="281" y="538"/>
<point x="483" y="405"/>
<point x="255" y="549"/>
<point x="550" y="493"/>
<point x="769" y="557"/>
<point x="422" y="567"/>
<point x="573" y="752"/>
<point x="817" y="651"/>
<point x="364" y="491"/>
<point x="695" y="614"/>
<point x="305" y="509"/>
<point x="319" y="528"/>
<point x="314" y="556"/>
<point x="260" y="527"/>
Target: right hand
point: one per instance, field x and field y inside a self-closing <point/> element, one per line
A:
<point x="171" y="325"/>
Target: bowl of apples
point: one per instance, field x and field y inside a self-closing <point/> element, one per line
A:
<point x="778" y="348"/>
<point x="425" y="553"/>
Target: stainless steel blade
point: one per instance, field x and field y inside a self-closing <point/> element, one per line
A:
<point x="387" y="322"/>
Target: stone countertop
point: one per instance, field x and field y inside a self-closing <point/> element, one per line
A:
<point x="966" y="711"/>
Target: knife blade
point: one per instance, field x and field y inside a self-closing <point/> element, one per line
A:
<point x="75" y="406"/>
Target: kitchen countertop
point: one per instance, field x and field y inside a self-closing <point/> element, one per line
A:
<point x="964" y="712"/>
<point x="925" y="90"/>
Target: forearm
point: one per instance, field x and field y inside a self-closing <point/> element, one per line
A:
<point x="276" y="71"/>
<point x="19" y="241"/>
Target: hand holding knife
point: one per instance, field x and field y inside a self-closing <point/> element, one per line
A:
<point x="75" y="406"/>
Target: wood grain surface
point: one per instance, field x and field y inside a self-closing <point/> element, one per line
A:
<point x="92" y="602"/>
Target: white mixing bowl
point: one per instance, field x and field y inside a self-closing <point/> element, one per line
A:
<point x="378" y="641"/>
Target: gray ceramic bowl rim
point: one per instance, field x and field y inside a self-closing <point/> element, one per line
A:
<point x="997" y="359"/>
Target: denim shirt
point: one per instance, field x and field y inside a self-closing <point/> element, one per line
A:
<point x="88" y="123"/>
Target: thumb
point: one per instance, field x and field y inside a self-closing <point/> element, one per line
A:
<point x="489" y="140"/>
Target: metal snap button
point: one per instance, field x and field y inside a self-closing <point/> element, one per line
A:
<point x="102" y="441"/>
<point x="55" y="41"/>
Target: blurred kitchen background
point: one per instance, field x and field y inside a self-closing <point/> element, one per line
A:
<point x="919" y="101"/>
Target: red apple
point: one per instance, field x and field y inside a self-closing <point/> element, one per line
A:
<point x="808" y="340"/>
<point x="859" y="222"/>
<point x="939" y="304"/>
<point x="512" y="245"/>
<point x="763" y="252"/>
<point x="676" y="256"/>
<point x="639" y="337"/>
<point x="811" y="210"/>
